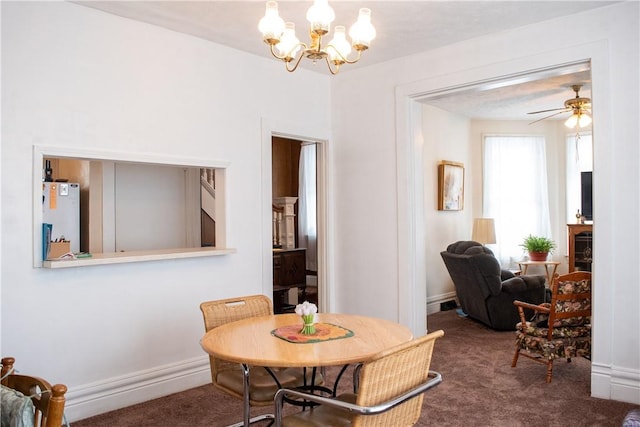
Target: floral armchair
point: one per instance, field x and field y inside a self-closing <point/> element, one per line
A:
<point x="561" y="329"/>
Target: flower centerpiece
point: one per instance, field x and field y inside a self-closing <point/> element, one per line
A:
<point x="308" y="312"/>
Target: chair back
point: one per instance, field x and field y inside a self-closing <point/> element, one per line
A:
<point x="219" y="312"/>
<point x="475" y="273"/>
<point x="570" y="301"/>
<point x="392" y="373"/>
<point x="47" y="400"/>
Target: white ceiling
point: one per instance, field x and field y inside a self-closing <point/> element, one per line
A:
<point x="403" y="28"/>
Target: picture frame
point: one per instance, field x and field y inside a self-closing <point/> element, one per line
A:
<point x="450" y="186"/>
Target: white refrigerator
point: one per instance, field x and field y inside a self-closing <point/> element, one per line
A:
<point x="61" y="209"/>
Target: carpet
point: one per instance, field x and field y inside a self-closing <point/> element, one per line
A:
<point x="479" y="388"/>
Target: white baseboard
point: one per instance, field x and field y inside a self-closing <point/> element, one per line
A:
<point x="611" y="383"/>
<point x="433" y="302"/>
<point x="119" y="392"/>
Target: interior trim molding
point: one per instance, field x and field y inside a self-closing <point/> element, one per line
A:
<point x="433" y="303"/>
<point x="615" y="383"/>
<point x="411" y="268"/>
<point x="118" y="392"/>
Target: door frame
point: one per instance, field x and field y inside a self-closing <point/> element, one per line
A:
<point x="303" y="133"/>
<point x="412" y="271"/>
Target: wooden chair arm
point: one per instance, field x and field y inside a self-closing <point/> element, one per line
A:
<point x="435" y="379"/>
<point x="535" y="307"/>
<point x="542" y="308"/>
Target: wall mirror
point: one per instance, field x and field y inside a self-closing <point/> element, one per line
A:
<point x="128" y="207"/>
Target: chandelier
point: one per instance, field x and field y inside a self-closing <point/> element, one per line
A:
<point x="285" y="46"/>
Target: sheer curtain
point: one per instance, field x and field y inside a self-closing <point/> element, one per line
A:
<point x="515" y="192"/>
<point x="579" y="159"/>
<point x="307" y="235"/>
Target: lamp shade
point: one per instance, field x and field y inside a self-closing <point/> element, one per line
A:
<point x="484" y="230"/>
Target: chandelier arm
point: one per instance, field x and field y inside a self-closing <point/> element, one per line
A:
<point x="347" y="61"/>
<point x="291" y="70"/>
<point x="331" y="70"/>
<point x="302" y="46"/>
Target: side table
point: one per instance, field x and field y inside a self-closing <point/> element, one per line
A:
<point x="550" y="268"/>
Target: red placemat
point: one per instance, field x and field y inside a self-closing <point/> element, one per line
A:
<point x="324" y="332"/>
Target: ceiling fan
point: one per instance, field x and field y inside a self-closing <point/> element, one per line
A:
<point x="578" y="106"/>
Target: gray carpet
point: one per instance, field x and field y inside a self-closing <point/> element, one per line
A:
<point x="479" y="388"/>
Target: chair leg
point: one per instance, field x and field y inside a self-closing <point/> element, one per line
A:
<point x="256" y="419"/>
<point x="549" y="370"/>
<point x="515" y="357"/>
<point x="246" y="412"/>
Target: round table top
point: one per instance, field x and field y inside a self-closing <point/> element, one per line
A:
<point x="250" y="341"/>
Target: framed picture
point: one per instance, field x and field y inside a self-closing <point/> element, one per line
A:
<point x="450" y="186"/>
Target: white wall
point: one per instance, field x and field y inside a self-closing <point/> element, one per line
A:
<point x="373" y="213"/>
<point x="150" y="207"/>
<point x="446" y="137"/>
<point x="80" y="78"/>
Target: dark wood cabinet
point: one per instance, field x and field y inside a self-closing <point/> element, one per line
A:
<point x="289" y="271"/>
<point x="580" y="247"/>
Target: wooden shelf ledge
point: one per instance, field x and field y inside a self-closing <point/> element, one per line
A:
<point x="137" y="256"/>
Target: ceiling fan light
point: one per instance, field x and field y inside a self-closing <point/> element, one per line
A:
<point x="362" y="32"/>
<point x="584" y="120"/>
<point x="320" y="15"/>
<point x="271" y="25"/>
<point x="572" y="121"/>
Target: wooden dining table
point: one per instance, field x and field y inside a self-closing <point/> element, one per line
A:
<point x="252" y="342"/>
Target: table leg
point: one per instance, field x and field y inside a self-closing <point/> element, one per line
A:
<point x="553" y="273"/>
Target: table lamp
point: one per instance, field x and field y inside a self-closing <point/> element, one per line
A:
<point x="484" y="231"/>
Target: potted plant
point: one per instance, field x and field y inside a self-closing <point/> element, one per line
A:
<point x="538" y="247"/>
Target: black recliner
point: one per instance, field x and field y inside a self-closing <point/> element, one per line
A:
<point x="485" y="291"/>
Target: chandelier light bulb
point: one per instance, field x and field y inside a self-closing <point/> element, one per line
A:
<point x="320" y="16"/>
<point x="271" y="25"/>
<point x="362" y="32"/>
<point x="341" y="47"/>
<point x="289" y="44"/>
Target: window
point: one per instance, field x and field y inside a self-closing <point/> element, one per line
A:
<point x="307" y="233"/>
<point x="515" y="191"/>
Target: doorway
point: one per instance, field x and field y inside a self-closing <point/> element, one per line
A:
<point x="413" y="267"/>
<point x="294" y="178"/>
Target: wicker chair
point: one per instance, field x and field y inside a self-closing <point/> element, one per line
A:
<point x="561" y="329"/>
<point x="390" y="393"/>
<point x="48" y="401"/>
<point x="229" y="377"/>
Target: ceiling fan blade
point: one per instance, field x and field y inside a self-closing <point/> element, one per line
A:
<point x="549" y="116"/>
<point x="546" y="111"/>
